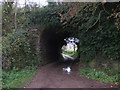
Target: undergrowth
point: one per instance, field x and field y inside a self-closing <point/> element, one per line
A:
<point x="16" y="78"/>
<point x="100" y="75"/>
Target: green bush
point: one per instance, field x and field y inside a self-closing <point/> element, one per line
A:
<point x="18" y="50"/>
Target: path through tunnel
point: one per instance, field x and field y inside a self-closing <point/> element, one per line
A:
<point x="51" y="42"/>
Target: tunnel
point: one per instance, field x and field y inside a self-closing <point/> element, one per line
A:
<point x="51" y="42"/>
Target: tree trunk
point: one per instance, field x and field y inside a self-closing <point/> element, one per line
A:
<point x="25" y="8"/>
<point x="15" y="15"/>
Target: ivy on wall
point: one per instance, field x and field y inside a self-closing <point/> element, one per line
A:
<point x="95" y="24"/>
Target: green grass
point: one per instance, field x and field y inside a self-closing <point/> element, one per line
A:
<point x="67" y="53"/>
<point x="69" y="50"/>
<point x="99" y="75"/>
<point x="16" y="78"/>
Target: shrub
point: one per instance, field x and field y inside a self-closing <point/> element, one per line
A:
<point x="17" y="50"/>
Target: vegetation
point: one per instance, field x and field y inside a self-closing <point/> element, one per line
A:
<point x="18" y="47"/>
<point x="17" y="44"/>
<point x="67" y="53"/>
<point x="16" y="78"/>
<point x="96" y="25"/>
<point x="94" y="28"/>
<point x="101" y="75"/>
<point x="93" y="23"/>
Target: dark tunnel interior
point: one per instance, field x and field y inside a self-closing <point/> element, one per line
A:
<point x="51" y="43"/>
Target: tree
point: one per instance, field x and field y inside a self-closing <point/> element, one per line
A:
<point x="7" y="19"/>
<point x="15" y="15"/>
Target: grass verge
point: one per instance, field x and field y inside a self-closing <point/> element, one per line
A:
<point x="16" y="78"/>
<point x="70" y="54"/>
<point x="100" y="75"/>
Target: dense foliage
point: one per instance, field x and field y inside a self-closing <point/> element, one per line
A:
<point x="95" y="24"/>
<point x="18" y="45"/>
<point x="95" y="28"/>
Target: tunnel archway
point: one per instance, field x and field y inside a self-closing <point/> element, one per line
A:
<point x="51" y="42"/>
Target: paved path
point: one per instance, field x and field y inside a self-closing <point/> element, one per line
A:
<point x="52" y="76"/>
<point x="67" y="56"/>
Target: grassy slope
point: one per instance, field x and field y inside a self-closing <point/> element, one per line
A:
<point x="99" y="75"/>
<point x="16" y="79"/>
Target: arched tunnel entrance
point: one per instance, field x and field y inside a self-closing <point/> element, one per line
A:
<point x="51" y="42"/>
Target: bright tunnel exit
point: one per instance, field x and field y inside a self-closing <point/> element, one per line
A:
<point x="69" y="50"/>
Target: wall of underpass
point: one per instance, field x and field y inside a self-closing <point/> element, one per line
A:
<point x="51" y="44"/>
